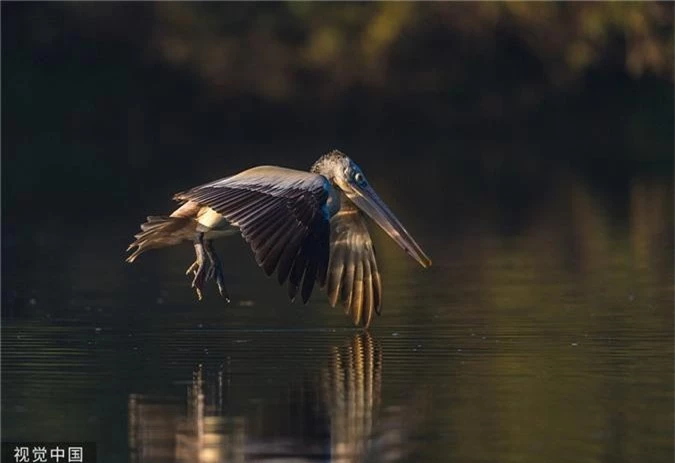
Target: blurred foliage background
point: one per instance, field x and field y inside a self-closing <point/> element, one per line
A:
<point x="325" y="51"/>
<point x="115" y="98"/>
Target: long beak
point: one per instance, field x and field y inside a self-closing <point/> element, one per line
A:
<point x="367" y="200"/>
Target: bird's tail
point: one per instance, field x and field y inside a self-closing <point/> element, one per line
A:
<point x="161" y="231"/>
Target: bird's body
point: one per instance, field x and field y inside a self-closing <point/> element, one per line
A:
<point x="307" y="226"/>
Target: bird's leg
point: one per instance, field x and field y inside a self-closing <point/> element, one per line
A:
<point x="198" y="266"/>
<point x="215" y="270"/>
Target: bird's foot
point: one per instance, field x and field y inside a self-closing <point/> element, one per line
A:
<point x="215" y="270"/>
<point x="206" y="267"/>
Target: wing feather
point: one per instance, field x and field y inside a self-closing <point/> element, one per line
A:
<point x="353" y="277"/>
<point x="337" y="267"/>
<point x="287" y="257"/>
<point x="282" y="214"/>
<point x="357" y="292"/>
<point x="296" y="273"/>
<point x="367" y="292"/>
<point x="347" y="281"/>
<point x="377" y="284"/>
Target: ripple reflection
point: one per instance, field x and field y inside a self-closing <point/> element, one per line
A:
<point x="327" y="413"/>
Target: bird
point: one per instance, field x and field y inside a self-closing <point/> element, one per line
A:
<point x="308" y="227"/>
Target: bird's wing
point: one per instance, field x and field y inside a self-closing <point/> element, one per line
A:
<point x="353" y="277"/>
<point x="282" y="214"/>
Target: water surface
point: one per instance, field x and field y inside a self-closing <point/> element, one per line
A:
<point x="543" y="332"/>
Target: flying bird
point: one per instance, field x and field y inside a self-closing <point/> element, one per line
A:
<point x="309" y="227"/>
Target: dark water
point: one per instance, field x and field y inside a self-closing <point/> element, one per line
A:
<point x="543" y="332"/>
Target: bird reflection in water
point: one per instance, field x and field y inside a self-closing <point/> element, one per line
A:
<point x="326" y="414"/>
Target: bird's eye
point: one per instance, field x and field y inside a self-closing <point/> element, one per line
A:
<point x="359" y="178"/>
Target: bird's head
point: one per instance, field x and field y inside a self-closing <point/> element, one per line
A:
<point x="348" y="177"/>
<point x="338" y="169"/>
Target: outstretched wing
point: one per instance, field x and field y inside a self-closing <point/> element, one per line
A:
<point x="282" y="214"/>
<point x="353" y="277"/>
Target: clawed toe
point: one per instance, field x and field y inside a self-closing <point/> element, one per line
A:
<point x="220" y="281"/>
<point x="192" y="268"/>
<point x="206" y="267"/>
<point x="199" y="280"/>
